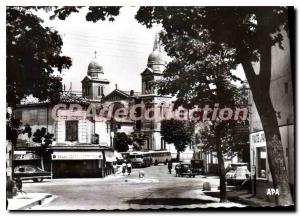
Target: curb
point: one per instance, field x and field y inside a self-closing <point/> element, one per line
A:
<point x="35" y="202"/>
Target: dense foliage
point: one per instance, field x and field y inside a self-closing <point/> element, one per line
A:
<point x="177" y="132"/>
<point x="33" y="51"/>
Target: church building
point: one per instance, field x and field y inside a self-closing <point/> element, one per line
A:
<point x="83" y="146"/>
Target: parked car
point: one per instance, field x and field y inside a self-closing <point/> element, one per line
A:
<point x="198" y="166"/>
<point x="237" y="173"/>
<point x="30" y="172"/>
<point x="184" y="169"/>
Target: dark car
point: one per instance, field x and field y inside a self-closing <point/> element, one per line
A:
<point x="198" y="166"/>
<point x="30" y="172"/>
<point x="185" y="169"/>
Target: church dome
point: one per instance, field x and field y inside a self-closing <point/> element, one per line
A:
<point x="156" y="58"/>
<point x="95" y="67"/>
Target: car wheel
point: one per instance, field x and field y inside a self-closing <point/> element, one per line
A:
<point x="35" y="180"/>
<point x="193" y="176"/>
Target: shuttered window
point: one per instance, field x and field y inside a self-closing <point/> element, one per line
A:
<point x="71" y="130"/>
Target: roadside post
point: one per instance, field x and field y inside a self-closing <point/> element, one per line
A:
<point x="141" y="174"/>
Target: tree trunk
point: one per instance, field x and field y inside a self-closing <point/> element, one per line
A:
<point x="260" y="87"/>
<point x="178" y="155"/>
<point x="276" y="158"/>
<point x="42" y="161"/>
<point x="223" y="195"/>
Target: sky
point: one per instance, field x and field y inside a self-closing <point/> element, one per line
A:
<point x="122" y="47"/>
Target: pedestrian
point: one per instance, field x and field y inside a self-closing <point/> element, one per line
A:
<point x="128" y="168"/>
<point x="170" y="166"/>
<point x="124" y="167"/>
<point x="177" y="169"/>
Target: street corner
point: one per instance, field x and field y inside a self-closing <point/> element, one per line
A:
<point x="25" y="201"/>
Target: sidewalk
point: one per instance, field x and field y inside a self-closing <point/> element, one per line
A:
<point x="26" y="201"/>
<point x="248" y="199"/>
<point x="243" y="197"/>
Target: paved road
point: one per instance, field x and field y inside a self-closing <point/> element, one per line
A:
<point x="157" y="190"/>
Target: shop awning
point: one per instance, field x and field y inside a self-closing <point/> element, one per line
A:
<point x="77" y="155"/>
<point x="110" y="156"/>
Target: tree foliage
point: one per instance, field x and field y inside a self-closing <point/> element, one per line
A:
<point x="94" y="14"/>
<point x="13" y="128"/>
<point x="138" y="140"/>
<point x="33" y="51"/>
<point x="122" y="142"/>
<point x="178" y="132"/>
<point x="43" y="138"/>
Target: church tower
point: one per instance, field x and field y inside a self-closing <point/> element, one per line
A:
<point x="155" y="67"/>
<point x="151" y="127"/>
<point x="94" y="84"/>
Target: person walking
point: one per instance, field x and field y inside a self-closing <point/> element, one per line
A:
<point x="128" y="168"/>
<point x="170" y="166"/>
<point x="124" y="167"/>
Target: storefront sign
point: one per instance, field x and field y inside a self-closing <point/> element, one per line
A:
<point x="258" y="137"/>
<point x="77" y="156"/>
<point x="26" y="156"/>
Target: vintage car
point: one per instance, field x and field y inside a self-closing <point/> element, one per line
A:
<point x="185" y="169"/>
<point x="30" y="172"/>
<point x="198" y="167"/>
<point x="237" y="173"/>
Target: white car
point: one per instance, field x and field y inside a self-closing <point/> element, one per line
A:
<point x="237" y="174"/>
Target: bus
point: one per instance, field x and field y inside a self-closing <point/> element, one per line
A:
<point x="159" y="156"/>
<point x="138" y="159"/>
<point x="145" y="159"/>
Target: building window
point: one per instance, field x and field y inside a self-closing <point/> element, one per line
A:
<point x="261" y="162"/>
<point x="71" y="130"/>
<point x="99" y="91"/>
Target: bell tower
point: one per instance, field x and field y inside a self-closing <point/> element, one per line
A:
<point x="155" y="67"/>
<point x="94" y="84"/>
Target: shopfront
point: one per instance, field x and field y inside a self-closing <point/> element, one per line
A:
<point x="260" y="171"/>
<point x="77" y="164"/>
